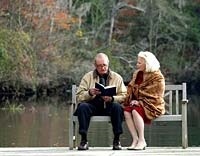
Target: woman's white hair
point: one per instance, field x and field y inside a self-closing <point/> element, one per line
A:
<point x="152" y="64"/>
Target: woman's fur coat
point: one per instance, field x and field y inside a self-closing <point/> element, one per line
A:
<point x="149" y="93"/>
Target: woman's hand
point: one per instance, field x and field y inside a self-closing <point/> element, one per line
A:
<point x="134" y="103"/>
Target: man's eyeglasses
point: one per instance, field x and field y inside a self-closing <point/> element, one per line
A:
<point x="101" y="65"/>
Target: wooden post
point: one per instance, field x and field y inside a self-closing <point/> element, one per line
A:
<point x="71" y="123"/>
<point x="184" y="117"/>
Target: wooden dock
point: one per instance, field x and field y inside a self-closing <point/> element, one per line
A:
<point x="99" y="151"/>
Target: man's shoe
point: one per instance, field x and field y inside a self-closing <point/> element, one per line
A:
<point x="117" y="145"/>
<point x="83" y="146"/>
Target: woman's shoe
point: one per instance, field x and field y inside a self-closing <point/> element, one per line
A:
<point x="140" y="147"/>
<point x="132" y="147"/>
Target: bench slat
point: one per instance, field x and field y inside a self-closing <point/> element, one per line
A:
<point x="173" y="87"/>
<point x="161" y="118"/>
<point x="169" y="118"/>
<point x="95" y="118"/>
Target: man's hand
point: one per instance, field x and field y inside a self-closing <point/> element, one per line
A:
<point x="94" y="91"/>
<point x="107" y="98"/>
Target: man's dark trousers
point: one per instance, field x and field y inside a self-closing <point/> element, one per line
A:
<point x="84" y="112"/>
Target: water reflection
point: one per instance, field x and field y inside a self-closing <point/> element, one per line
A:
<point x="193" y="120"/>
<point x="44" y="122"/>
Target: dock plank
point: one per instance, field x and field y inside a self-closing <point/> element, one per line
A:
<point x="98" y="151"/>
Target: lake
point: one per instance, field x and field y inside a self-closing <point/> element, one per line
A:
<point x="44" y="123"/>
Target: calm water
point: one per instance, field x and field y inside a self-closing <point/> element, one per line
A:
<point x="45" y="123"/>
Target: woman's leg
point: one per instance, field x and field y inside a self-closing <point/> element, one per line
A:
<point x="132" y="129"/>
<point x="139" y="124"/>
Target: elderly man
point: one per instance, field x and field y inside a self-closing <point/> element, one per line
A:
<point x="91" y="102"/>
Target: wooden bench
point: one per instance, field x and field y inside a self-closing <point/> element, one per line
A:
<point x="176" y="110"/>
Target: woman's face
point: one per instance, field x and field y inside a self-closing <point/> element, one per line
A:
<point x="141" y="65"/>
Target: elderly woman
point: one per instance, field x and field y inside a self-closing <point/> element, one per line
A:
<point x="144" y="101"/>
